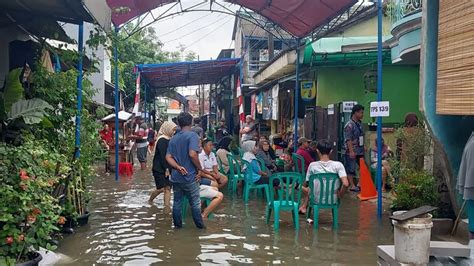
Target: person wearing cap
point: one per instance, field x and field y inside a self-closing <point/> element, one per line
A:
<point x="303" y="145"/>
<point x="249" y="129"/>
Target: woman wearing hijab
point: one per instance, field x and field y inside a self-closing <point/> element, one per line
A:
<point x="257" y="175"/>
<point x="265" y="155"/>
<point x="222" y="151"/>
<point x="161" y="169"/>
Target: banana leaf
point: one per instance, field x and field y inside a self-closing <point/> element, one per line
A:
<point x="13" y="90"/>
<point x="32" y="111"/>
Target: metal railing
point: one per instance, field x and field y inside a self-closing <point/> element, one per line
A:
<point x="399" y="9"/>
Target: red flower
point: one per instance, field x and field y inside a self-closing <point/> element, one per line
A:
<point x="31" y="219"/>
<point x="61" y="220"/>
<point x="36" y="211"/>
<point x="21" y="237"/>
<point x="23" y="175"/>
<point x="9" y="240"/>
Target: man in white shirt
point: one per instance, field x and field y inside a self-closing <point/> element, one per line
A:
<point x="324" y="165"/>
<point x="209" y="165"/>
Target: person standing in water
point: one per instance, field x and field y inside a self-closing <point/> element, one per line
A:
<point x="161" y="169"/>
<point x="354" y="141"/>
<point x="183" y="157"/>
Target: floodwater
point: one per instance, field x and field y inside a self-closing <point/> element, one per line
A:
<point x="124" y="229"/>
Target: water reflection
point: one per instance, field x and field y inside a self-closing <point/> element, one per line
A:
<point x="123" y="229"/>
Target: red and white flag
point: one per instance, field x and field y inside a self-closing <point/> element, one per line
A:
<point x="241" y="102"/>
<point x="136" y="106"/>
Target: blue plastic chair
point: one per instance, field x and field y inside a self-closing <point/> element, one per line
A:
<point x="250" y="185"/>
<point x="287" y="197"/>
<point x="329" y="183"/>
<point x="299" y="163"/>
<point x="235" y="173"/>
<point x="186" y="203"/>
<point x="263" y="166"/>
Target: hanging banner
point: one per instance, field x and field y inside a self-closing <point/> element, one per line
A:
<point x="136" y="106"/>
<point x="308" y="90"/>
<point x="267" y="105"/>
<point x="275" y="90"/>
<point x="253" y="105"/>
<point x="241" y="102"/>
<point x="260" y="103"/>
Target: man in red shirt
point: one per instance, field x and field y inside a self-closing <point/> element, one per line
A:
<point x="303" y="145"/>
<point x="107" y="137"/>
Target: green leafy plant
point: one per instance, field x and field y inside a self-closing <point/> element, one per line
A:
<point x="29" y="215"/>
<point x="418" y="188"/>
<point x="31" y="111"/>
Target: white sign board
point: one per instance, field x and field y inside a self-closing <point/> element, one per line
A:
<point x="380" y="109"/>
<point x="331" y="109"/>
<point x="347" y="106"/>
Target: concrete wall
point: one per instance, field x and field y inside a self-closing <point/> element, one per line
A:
<point x="450" y="132"/>
<point x="400" y="87"/>
<point x="365" y="28"/>
<point x="102" y="60"/>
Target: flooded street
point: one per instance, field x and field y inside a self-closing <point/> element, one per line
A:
<point x="124" y="229"/>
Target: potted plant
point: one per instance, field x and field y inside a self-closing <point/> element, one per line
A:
<point x="29" y="214"/>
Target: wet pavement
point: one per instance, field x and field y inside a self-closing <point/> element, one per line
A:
<point x="124" y="229"/>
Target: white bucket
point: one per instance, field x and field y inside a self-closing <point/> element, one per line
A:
<point x="412" y="239"/>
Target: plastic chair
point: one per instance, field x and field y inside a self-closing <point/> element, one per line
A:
<point x="327" y="198"/>
<point x="263" y="166"/>
<point x="235" y="174"/>
<point x="287" y="197"/>
<point x="219" y="165"/>
<point x="298" y="160"/>
<point x="186" y="203"/>
<point x="250" y="185"/>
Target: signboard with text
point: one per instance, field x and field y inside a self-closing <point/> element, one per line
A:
<point x="380" y="109"/>
<point x="347" y="106"/>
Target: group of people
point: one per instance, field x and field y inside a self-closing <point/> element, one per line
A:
<point x="185" y="161"/>
<point x="139" y="137"/>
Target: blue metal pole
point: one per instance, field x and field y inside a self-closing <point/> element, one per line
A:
<point x="379" y="119"/>
<point x="297" y="93"/>
<point x="77" y="151"/>
<point x="117" y="106"/>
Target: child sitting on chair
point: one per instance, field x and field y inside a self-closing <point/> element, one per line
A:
<point x="324" y="165"/>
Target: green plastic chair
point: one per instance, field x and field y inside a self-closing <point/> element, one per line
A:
<point x="263" y="166"/>
<point x="219" y="165"/>
<point x="327" y="198"/>
<point x="235" y="173"/>
<point x="186" y="203"/>
<point x="298" y="161"/>
<point x="286" y="198"/>
<point x="250" y="185"/>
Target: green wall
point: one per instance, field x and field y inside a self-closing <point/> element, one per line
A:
<point x="400" y="87"/>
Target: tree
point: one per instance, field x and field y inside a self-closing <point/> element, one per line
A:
<point x="143" y="47"/>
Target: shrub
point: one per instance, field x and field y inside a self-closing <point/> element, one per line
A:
<point x="418" y="188"/>
<point x="29" y="215"/>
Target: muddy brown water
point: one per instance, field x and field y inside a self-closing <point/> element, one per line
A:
<point x="124" y="229"/>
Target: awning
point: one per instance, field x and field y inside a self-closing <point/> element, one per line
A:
<point x="126" y="10"/>
<point x="122" y="115"/>
<point x="341" y="51"/>
<point x="34" y="25"/>
<point x="71" y="11"/>
<point x="170" y="75"/>
<point x="297" y="17"/>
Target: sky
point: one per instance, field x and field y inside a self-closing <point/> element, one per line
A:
<point x="203" y="32"/>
